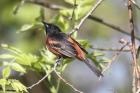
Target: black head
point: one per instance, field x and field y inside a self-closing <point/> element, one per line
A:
<point x="51" y="28"/>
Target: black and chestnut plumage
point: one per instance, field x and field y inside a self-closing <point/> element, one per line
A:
<point x="63" y="45"/>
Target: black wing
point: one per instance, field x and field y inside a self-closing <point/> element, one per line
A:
<point x="62" y="46"/>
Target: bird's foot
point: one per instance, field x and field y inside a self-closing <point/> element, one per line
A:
<point x="58" y="61"/>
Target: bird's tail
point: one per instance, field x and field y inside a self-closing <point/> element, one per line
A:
<point x="93" y="67"/>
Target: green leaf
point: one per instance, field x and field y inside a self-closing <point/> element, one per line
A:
<point x="85" y="43"/>
<point x="18" y="67"/>
<point x="105" y="60"/>
<point x="48" y="57"/>
<point x="3" y="81"/>
<point x="53" y="89"/>
<point x="6" y="56"/>
<point x="26" y="59"/>
<point x="11" y="48"/>
<point x="61" y="22"/>
<point x="64" y="67"/>
<point x="6" y="72"/>
<point x="3" y="84"/>
<point x="66" y="12"/>
<point x="5" y="63"/>
<point x="97" y="53"/>
<point x="18" y="86"/>
<point x="26" y="27"/>
<point x="30" y="27"/>
<point x="74" y="35"/>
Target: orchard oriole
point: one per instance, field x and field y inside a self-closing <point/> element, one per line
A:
<point x="63" y="45"/>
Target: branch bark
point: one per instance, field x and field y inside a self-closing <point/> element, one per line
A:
<point x="117" y="28"/>
<point x="77" y="27"/>
<point x="136" y="70"/>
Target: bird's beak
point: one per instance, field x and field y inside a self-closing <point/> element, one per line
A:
<point x="44" y="22"/>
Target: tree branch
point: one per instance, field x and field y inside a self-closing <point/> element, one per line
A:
<point x="47" y="74"/>
<point x="39" y="2"/>
<point x="60" y="77"/>
<point x="135" y="4"/>
<point x="116" y="55"/>
<point x="77" y="27"/>
<point x="67" y="83"/>
<point x="16" y="9"/>
<point x="73" y="11"/>
<point x="136" y="70"/>
<point x="138" y="52"/>
<point x="117" y="28"/>
<point x="138" y="91"/>
<point x="111" y="49"/>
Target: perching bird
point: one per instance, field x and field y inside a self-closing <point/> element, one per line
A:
<point x="63" y="45"/>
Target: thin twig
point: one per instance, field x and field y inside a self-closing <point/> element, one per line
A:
<point x="131" y="27"/>
<point x="138" y="52"/>
<point x="18" y="6"/>
<point x="57" y="73"/>
<point x="39" y="2"/>
<point x="58" y="85"/>
<point x="67" y="83"/>
<point x="135" y="4"/>
<point x="59" y="81"/>
<point x="77" y="27"/>
<point x="42" y="13"/>
<point x="37" y="83"/>
<point x="73" y="11"/>
<point x="117" y="28"/>
<point x="138" y="91"/>
<point x="116" y="55"/>
<point x="110" y="49"/>
<point x="136" y="69"/>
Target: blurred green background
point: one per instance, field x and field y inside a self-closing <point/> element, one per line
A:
<point x="117" y="78"/>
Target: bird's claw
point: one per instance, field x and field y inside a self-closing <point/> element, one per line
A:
<point x="58" y="61"/>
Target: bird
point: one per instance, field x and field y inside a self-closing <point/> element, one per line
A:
<point x="64" y="46"/>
